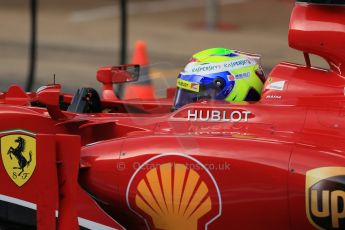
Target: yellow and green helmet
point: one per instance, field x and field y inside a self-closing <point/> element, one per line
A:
<point x="220" y="74"/>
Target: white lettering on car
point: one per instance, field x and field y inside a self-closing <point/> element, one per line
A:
<point x="278" y="97"/>
<point x="218" y="116"/>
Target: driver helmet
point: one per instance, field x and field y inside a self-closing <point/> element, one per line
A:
<point x="220" y="74"/>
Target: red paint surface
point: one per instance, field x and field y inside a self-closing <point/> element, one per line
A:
<point x="255" y="168"/>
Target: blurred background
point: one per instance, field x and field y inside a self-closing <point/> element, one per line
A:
<point x="76" y="37"/>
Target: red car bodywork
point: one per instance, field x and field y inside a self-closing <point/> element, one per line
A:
<point x="275" y="164"/>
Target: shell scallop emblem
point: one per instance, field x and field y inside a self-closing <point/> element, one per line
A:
<point x="174" y="195"/>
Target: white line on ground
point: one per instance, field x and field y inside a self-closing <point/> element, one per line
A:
<point x="142" y="8"/>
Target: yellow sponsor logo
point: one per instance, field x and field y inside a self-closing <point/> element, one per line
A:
<point x="325" y="197"/>
<point x="174" y="207"/>
<point x="195" y="87"/>
<point x="18" y="153"/>
<point x="173" y="192"/>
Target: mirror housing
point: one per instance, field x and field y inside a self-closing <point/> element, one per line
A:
<point x="118" y="74"/>
<point x="114" y="75"/>
<point x="49" y="95"/>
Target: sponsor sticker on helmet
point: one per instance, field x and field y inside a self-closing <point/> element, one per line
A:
<point x="211" y="68"/>
<point x="195" y="87"/>
<point x="232" y="78"/>
<point x="325" y="197"/>
<point x="242" y="75"/>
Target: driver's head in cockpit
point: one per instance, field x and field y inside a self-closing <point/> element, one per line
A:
<point x="220" y="74"/>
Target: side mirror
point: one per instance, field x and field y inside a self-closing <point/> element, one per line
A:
<point x="49" y="95"/>
<point x="114" y="75"/>
<point x="118" y="74"/>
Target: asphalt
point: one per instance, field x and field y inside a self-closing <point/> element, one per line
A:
<point x="77" y="37"/>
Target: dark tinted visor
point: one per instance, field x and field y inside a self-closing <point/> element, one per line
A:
<point x="184" y="96"/>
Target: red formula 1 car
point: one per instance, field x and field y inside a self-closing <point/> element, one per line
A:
<point x="94" y="162"/>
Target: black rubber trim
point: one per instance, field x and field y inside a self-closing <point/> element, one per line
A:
<point x="16" y="217"/>
<point x="18" y="214"/>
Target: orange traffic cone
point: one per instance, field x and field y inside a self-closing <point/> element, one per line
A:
<point x="143" y="88"/>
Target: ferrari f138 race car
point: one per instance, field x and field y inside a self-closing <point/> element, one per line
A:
<point x="97" y="162"/>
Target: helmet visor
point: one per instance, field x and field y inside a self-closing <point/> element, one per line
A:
<point x="184" y="96"/>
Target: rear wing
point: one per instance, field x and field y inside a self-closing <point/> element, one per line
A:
<point x="316" y="27"/>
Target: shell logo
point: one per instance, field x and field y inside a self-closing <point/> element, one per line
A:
<point x="174" y="192"/>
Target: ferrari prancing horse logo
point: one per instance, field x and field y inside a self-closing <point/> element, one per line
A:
<point x="18" y="153"/>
